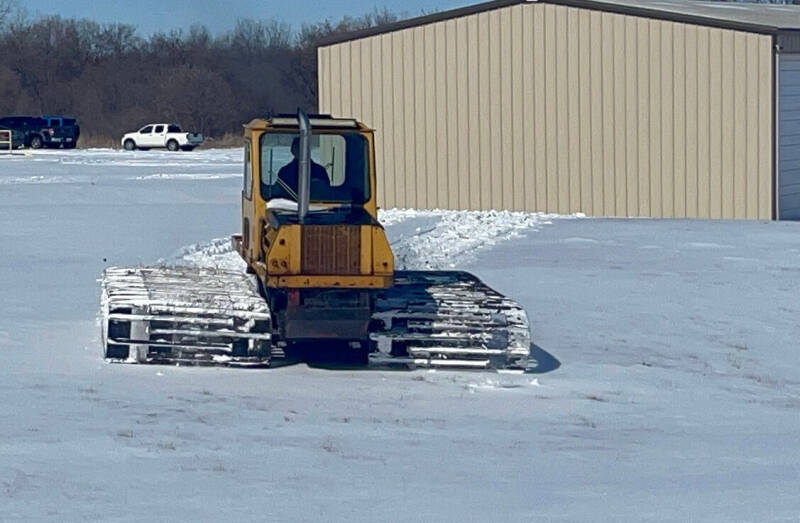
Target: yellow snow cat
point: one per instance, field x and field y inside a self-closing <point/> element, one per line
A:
<point x="320" y="275"/>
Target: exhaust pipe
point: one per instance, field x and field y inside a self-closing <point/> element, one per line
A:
<point x="304" y="167"/>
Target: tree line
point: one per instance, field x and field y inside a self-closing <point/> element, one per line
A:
<point x="112" y="80"/>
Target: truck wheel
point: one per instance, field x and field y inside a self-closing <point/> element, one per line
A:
<point x="172" y="145"/>
<point x="130" y="145"/>
<point x="37" y="142"/>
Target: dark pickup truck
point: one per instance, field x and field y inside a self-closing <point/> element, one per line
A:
<point x="44" y="131"/>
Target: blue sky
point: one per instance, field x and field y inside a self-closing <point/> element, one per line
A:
<point x="160" y="15"/>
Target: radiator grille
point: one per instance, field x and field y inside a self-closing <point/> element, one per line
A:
<point x="331" y="249"/>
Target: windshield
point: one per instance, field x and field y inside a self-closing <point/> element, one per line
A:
<point x="338" y="167"/>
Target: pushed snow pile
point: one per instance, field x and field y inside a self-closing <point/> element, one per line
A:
<point x="429" y="240"/>
<point x="217" y="253"/>
<point x="452" y="238"/>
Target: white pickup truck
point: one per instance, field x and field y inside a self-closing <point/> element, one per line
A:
<point x="161" y="135"/>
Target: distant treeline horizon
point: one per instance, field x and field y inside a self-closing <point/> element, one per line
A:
<point x="113" y="80"/>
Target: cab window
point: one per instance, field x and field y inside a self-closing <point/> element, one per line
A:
<point x="159" y="129"/>
<point x="339" y="167"/>
<point x="146" y="130"/>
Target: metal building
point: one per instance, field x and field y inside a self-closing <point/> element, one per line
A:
<point x="631" y="108"/>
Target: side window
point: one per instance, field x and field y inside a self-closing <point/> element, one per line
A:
<point x="159" y="129"/>
<point x="248" y="172"/>
<point x="146" y="130"/>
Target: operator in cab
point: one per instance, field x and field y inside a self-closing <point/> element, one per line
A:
<point x="288" y="175"/>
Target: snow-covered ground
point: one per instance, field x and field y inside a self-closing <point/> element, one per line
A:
<point x="667" y="386"/>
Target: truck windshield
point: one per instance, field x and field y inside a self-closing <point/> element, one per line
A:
<point x="339" y="167"/>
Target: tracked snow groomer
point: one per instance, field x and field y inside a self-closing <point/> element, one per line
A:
<point x="321" y="275"/>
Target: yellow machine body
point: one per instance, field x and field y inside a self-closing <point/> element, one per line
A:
<point x="274" y="250"/>
<point x="332" y="249"/>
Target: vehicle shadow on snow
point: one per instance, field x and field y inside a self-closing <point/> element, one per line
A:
<point x="541" y="361"/>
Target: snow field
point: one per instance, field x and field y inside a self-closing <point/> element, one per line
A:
<point x="668" y="387"/>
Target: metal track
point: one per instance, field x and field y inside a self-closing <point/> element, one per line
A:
<point x="449" y="319"/>
<point x="179" y="315"/>
<point x="183" y="315"/>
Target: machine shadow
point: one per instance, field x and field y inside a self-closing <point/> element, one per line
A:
<point x="541" y="361"/>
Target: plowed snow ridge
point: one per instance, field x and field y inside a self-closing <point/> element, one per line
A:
<point x="452" y="238"/>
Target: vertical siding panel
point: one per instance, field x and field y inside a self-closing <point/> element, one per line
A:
<point x="409" y="126"/>
<point x="397" y="118"/>
<point x="728" y="81"/>
<point x="562" y="109"/>
<point x="679" y="121"/>
<point x="355" y="79"/>
<point x="656" y="207"/>
<point x="631" y="120"/>
<point x="474" y="126"/>
<point x="540" y="109"/>
<point x="452" y="117"/>
<point x="620" y="119"/>
<point x="585" y="51"/>
<point x="643" y="110"/>
<point x="506" y="180"/>
<point x="753" y="128"/>
<point x="765" y="143"/>
<point x="496" y="105"/>
<point x="463" y="113"/>
<point x="715" y="123"/>
<point x="609" y="178"/>
<point x="596" y="80"/>
<point x="420" y="128"/>
<point x="528" y="107"/>
<point x="667" y="115"/>
<point x="517" y="104"/>
<point x="387" y="114"/>
<point x="441" y="115"/>
<point x="365" y="80"/>
<point x="704" y="122"/>
<point x="551" y="123"/>
<point x="740" y="125"/>
<point x="345" y="76"/>
<point x="377" y="119"/>
<point x="573" y="90"/>
<point x="336" y="80"/>
<point x="484" y="111"/>
<point x="431" y="134"/>
<point x="323" y="79"/>
<point x="692" y="121"/>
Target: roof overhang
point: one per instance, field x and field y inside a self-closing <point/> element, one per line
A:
<point x="770" y="19"/>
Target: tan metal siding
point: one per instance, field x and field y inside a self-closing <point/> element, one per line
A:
<point x="560" y="109"/>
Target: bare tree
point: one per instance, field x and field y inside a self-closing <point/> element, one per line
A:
<point x="113" y="80"/>
<point x="7" y="9"/>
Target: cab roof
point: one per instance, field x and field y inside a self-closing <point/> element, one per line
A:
<point x="318" y="121"/>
